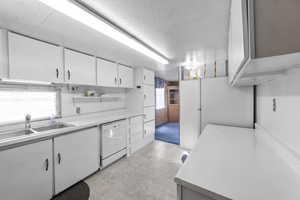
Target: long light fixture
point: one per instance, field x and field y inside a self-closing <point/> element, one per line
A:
<point x="79" y="14"/>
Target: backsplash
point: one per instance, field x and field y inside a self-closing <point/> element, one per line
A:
<point x="70" y="107"/>
<point x="279" y="108"/>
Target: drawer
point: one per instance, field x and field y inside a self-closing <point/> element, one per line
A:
<point x="149" y="113"/>
<point x="136" y="128"/>
<point x="149" y="95"/>
<point x="149" y="128"/>
<point x="139" y="120"/>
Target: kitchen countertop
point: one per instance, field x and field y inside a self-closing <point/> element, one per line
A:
<point x="237" y="163"/>
<point x="78" y="122"/>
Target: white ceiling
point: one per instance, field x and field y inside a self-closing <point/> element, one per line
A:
<point x="173" y="27"/>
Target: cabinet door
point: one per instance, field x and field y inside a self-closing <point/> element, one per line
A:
<point x="149" y="129"/>
<point x="136" y="129"/>
<point x="77" y="155"/>
<point x="149" y="97"/>
<point x="107" y="73"/>
<point x="238" y="49"/>
<point x="79" y="68"/>
<point x="125" y="77"/>
<point x="136" y="135"/>
<point x="190" y="116"/>
<point x="148" y="77"/>
<point x="34" y="60"/>
<point x="149" y="113"/>
<point x="26" y="172"/>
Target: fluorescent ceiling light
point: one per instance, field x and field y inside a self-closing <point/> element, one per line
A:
<point x="20" y="81"/>
<point x="75" y="12"/>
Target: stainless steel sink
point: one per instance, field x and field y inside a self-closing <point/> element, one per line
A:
<point x="16" y="134"/>
<point x="52" y="127"/>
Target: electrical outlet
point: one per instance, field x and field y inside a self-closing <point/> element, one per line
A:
<point x="78" y="110"/>
<point x="274" y="105"/>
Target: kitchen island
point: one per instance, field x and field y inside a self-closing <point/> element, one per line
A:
<point x="236" y="163"/>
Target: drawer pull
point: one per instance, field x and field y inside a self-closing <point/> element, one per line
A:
<point x="59" y="158"/>
<point x="47" y="164"/>
<point x="69" y="75"/>
<point x="57" y="73"/>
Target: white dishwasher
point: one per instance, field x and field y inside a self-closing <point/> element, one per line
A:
<point x="113" y="141"/>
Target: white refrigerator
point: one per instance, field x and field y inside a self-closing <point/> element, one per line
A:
<point x="213" y="101"/>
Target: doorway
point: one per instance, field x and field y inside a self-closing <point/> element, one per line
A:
<point x="167" y="111"/>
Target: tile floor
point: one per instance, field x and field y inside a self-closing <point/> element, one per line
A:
<point x="146" y="175"/>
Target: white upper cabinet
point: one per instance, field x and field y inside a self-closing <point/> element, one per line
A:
<point x="263" y="40"/>
<point x="125" y="77"/>
<point x="148" y="77"/>
<point x="31" y="59"/>
<point x="107" y="73"/>
<point x="110" y="74"/>
<point x="79" y="68"/>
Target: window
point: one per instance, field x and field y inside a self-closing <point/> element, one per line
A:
<point x="14" y="105"/>
<point x="160" y="98"/>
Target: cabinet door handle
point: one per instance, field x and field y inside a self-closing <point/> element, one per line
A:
<point x="144" y="77"/>
<point x="57" y="73"/>
<point x="59" y="158"/>
<point x="47" y="164"/>
<point x="145" y="96"/>
<point x="120" y="81"/>
<point x="69" y="75"/>
<point x="116" y="81"/>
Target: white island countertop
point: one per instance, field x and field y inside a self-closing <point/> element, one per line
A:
<point x="237" y="163"/>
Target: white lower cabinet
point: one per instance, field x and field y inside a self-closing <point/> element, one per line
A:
<point x="149" y="113"/>
<point x="27" y="172"/>
<point x="136" y="136"/>
<point x="149" y="129"/>
<point x="140" y="133"/>
<point x="76" y="156"/>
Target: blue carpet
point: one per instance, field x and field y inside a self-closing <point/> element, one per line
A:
<point x="168" y="132"/>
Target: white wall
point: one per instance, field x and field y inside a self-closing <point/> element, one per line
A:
<point x="223" y="104"/>
<point x="284" y="124"/>
<point x="68" y="106"/>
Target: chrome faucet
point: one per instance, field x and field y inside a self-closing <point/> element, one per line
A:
<point x="28" y="124"/>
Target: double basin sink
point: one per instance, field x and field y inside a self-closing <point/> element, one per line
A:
<point x="40" y="129"/>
